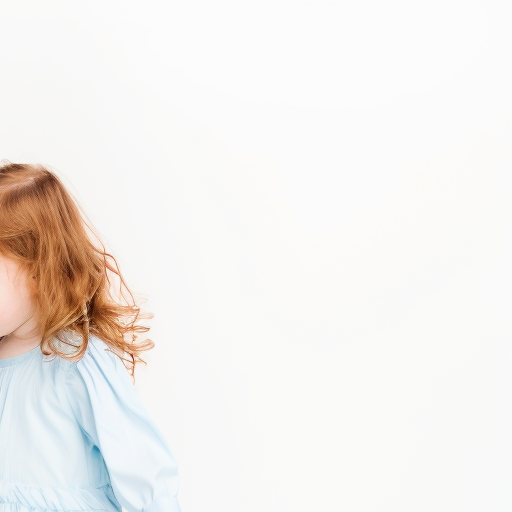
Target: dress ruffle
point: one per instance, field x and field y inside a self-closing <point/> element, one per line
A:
<point x="24" y="498"/>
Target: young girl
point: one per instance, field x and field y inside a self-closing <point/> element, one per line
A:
<point x="74" y="435"/>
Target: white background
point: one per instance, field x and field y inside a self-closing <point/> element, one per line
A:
<point x="315" y="199"/>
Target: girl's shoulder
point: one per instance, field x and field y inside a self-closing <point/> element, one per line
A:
<point x="97" y="352"/>
<point x="99" y="366"/>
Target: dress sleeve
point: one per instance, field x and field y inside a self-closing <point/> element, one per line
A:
<point x="141" y="465"/>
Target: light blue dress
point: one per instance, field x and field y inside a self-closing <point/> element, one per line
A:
<point x="74" y="436"/>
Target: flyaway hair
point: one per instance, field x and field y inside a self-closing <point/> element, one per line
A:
<point x="43" y="229"/>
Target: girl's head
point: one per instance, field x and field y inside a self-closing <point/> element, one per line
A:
<point x="51" y="270"/>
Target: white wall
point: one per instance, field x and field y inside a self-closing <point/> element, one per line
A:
<point x="315" y="198"/>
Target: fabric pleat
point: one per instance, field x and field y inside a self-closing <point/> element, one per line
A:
<point x="14" y="497"/>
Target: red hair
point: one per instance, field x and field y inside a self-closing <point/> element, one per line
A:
<point x="43" y="230"/>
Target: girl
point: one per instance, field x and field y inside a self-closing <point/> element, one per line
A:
<point x="74" y="435"/>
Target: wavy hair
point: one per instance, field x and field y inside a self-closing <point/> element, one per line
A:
<point x="43" y="229"/>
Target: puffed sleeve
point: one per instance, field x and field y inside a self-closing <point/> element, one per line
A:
<point x="141" y="465"/>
